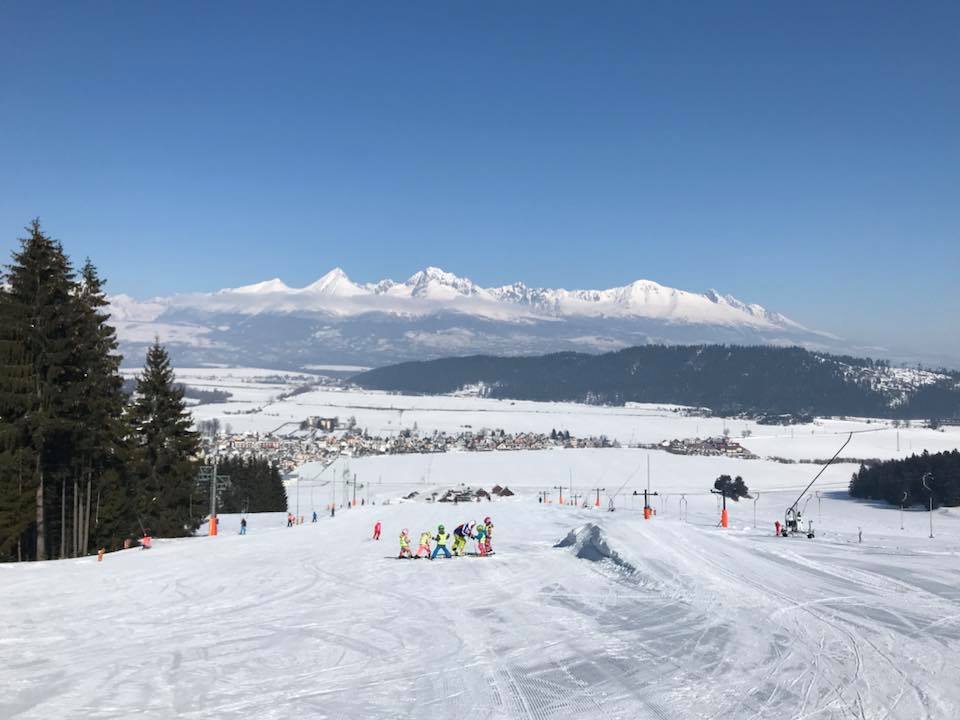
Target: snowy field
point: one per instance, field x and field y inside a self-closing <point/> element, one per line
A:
<point x="685" y="620"/>
<point x="255" y="406"/>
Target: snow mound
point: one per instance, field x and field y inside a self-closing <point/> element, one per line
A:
<point x="588" y="542"/>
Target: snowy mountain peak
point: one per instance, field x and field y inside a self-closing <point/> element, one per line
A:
<point x="437" y="283"/>
<point x="335" y="284"/>
<point x="276" y="285"/>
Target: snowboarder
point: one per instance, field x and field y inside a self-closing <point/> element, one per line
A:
<point x="441" y="539"/>
<point x="243" y="526"/>
<point x="405" y="545"/>
<point x="488" y="525"/>
<point x="460" y="538"/>
<point x="424" y="548"/>
<point x="480" y="533"/>
<point x="376" y="531"/>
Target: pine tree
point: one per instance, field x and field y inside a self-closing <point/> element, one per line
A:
<point x="255" y="486"/>
<point x="39" y="335"/>
<point x="15" y="397"/>
<point x="100" y="449"/>
<point x="164" y="449"/>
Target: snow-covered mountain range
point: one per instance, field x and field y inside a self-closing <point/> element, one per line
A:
<point x="433" y="313"/>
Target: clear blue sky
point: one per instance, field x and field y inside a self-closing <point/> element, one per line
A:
<point x="805" y="156"/>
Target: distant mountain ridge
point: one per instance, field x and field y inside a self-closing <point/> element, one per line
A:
<point x="435" y="313"/>
<point x="728" y="380"/>
<point x="432" y="290"/>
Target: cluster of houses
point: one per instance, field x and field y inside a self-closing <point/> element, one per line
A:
<point x="708" y="446"/>
<point x="313" y="442"/>
<point x="463" y="494"/>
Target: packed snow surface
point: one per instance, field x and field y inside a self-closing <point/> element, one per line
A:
<point x="686" y="621"/>
<point x="668" y="618"/>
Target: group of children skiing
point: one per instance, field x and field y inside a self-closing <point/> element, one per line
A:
<point x="481" y="533"/>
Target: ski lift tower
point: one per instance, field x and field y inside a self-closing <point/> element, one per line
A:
<point x="724" y="518"/>
<point x="208" y="473"/>
<point x="647" y="510"/>
<point x="926" y="486"/>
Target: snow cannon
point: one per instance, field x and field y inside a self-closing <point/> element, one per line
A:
<point x="793" y="517"/>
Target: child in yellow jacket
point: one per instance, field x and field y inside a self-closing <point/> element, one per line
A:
<point x="424" y="544"/>
<point x="405" y="545"/>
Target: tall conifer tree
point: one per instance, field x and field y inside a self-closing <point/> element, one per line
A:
<point x="165" y="447"/>
<point x="100" y="448"/>
<point x="40" y="326"/>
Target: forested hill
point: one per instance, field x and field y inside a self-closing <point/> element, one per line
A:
<point x="726" y="379"/>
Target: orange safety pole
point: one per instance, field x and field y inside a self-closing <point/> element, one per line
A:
<point x="213" y="525"/>
<point x="724" y="518"/>
<point x="646" y="513"/>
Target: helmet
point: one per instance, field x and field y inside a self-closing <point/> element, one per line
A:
<point x="486" y="520"/>
<point x="404" y="532"/>
<point x="440" y="528"/>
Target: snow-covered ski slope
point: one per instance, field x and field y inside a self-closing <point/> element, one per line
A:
<point x="319" y="621"/>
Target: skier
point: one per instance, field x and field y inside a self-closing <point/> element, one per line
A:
<point x="424" y="544"/>
<point x="376" y="531"/>
<point x="441" y="539"/>
<point x="776" y="527"/>
<point x="243" y="526"/>
<point x="488" y="524"/>
<point x="289" y="520"/>
<point x="146" y="542"/>
<point x="460" y="538"/>
<point x="314" y="516"/>
<point x="404" y="545"/>
<point x="481" y="536"/>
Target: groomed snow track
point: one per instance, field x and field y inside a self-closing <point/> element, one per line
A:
<point x="318" y="621"/>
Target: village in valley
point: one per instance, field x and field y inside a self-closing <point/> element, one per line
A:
<point x="322" y="439"/>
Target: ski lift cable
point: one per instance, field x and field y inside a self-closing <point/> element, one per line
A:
<point x="629" y="478"/>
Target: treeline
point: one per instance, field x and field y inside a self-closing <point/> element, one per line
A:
<point x="902" y="481"/>
<point x="727" y="379"/>
<point x="203" y="397"/>
<point x="82" y="465"/>
<point x="254" y="486"/>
